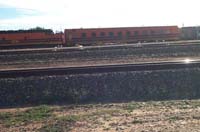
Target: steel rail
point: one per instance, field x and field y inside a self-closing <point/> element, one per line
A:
<point x="103" y="47"/>
<point x="98" y="69"/>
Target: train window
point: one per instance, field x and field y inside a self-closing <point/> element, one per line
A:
<point x="94" y="34"/>
<point x="168" y="31"/>
<point x="102" y="34"/>
<point x="119" y="34"/>
<point x="111" y="34"/>
<point x="144" y="32"/>
<point x="152" y="32"/>
<point x="161" y="31"/>
<point x="136" y="33"/>
<point x="83" y="35"/>
<point x="128" y="33"/>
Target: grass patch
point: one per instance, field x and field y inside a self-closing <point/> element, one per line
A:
<point x="137" y="122"/>
<point x="56" y="127"/>
<point x="66" y="123"/>
<point x="132" y="106"/>
<point x="62" y="124"/>
<point x="70" y="118"/>
<point x="106" y="129"/>
<point x="196" y="117"/>
<point x="195" y="103"/>
<point x="176" y="118"/>
<point x="34" y="114"/>
<point x="104" y="112"/>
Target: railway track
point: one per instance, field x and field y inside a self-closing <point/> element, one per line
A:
<point x="50" y="71"/>
<point x="114" y="46"/>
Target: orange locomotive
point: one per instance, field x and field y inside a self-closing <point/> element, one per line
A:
<point x="120" y="35"/>
<point x="30" y="37"/>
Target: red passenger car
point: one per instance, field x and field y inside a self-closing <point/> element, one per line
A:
<point x="121" y="35"/>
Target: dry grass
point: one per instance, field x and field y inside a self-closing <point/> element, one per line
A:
<point x="134" y="116"/>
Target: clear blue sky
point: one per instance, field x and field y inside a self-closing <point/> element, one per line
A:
<point x="61" y="14"/>
<point x="9" y="13"/>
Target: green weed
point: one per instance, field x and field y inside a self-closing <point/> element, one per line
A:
<point x="33" y="114"/>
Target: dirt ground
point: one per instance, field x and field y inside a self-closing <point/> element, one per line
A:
<point x="153" y="116"/>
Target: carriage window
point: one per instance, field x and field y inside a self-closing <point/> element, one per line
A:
<point x="119" y="34"/>
<point x="144" y="32"/>
<point x="128" y="33"/>
<point x="168" y="31"/>
<point x="94" y="34"/>
<point x="136" y="33"/>
<point x="102" y="34"/>
<point x="161" y="31"/>
<point x="111" y="34"/>
<point x="152" y="32"/>
<point x="83" y="35"/>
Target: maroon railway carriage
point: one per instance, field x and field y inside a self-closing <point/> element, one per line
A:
<point x="121" y="35"/>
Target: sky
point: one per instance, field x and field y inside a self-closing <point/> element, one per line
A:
<point x="63" y="14"/>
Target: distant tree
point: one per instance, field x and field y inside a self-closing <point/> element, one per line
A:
<point x="37" y="28"/>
